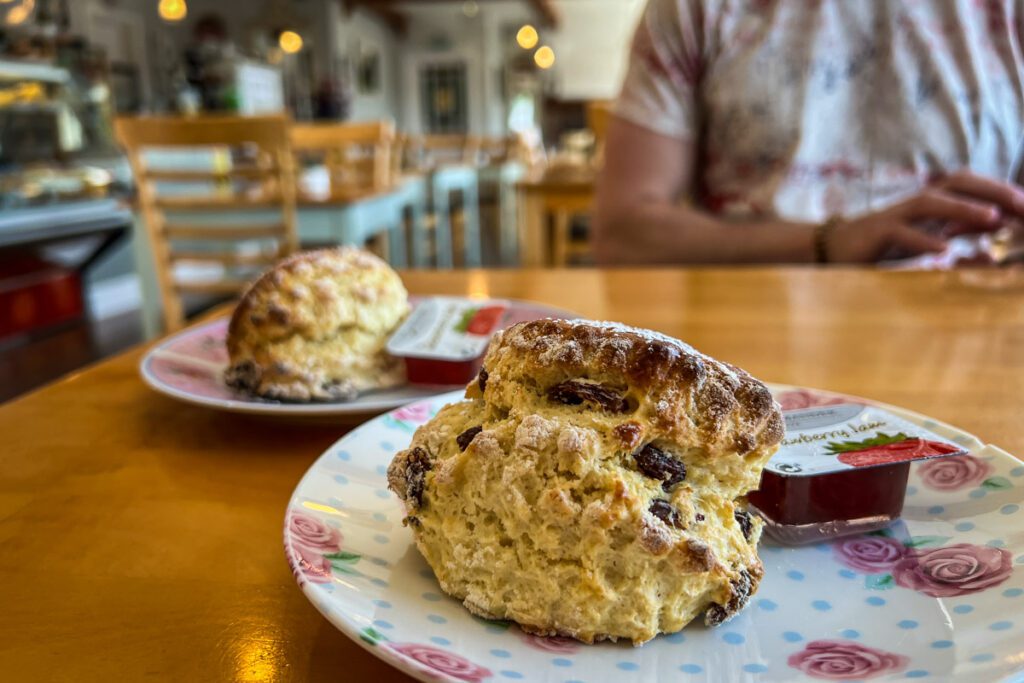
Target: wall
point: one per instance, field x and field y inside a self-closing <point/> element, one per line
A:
<point x="360" y="31"/>
<point x="329" y="33"/>
<point x="590" y="46"/>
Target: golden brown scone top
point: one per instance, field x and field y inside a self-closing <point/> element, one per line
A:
<point x="314" y="327"/>
<point x="659" y="381"/>
<point x="313" y="293"/>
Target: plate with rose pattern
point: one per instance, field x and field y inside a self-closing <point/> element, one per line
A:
<point x="189" y="366"/>
<point x="937" y="596"/>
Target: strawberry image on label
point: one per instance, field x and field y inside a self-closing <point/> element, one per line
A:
<point x="883" y="448"/>
<point x="485" y="319"/>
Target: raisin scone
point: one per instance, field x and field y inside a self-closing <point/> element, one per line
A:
<point x="591" y="483"/>
<point x="313" y="328"/>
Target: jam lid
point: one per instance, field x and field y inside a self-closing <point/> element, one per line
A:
<point x="448" y="328"/>
<point x="851" y="436"/>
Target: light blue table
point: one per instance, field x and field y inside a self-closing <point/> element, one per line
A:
<point x="346" y="223"/>
<point x="444" y="180"/>
<point x="503" y="177"/>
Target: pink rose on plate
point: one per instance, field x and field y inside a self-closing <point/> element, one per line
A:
<point x="840" y="660"/>
<point x="312" y="533"/>
<point x="953" y="570"/>
<point x="309" y="564"/>
<point x="417" y="413"/>
<point x="441" y="661"/>
<point x="869" y="554"/>
<point x="805" y="398"/>
<point x="555" y="644"/>
<point x="954" y="472"/>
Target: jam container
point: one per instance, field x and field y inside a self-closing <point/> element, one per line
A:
<point x="444" y="338"/>
<point x="841" y="469"/>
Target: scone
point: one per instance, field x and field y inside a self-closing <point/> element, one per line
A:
<point x="590" y="484"/>
<point x="313" y="328"/>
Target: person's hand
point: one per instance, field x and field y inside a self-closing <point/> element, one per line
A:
<point x="963" y="202"/>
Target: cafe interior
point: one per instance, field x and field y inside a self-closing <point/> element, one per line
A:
<point x="234" y="237"/>
<point x="422" y="131"/>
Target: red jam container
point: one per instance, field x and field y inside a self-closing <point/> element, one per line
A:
<point x="841" y="469"/>
<point x="444" y="338"/>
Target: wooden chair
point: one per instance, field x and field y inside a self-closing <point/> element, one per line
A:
<point x="500" y="150"/>
<point x="599" y="114"/>
<point x="427" y="152"/>
<point x="358" y="156"/>
<point x="504" y="162"/>
<point x="450" y="162"/>
<point x="245" y="165"/>
<point x="363" y="163"/>
<point x="556" y="197"/>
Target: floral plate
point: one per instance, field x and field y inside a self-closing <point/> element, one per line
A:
<point x="190" y="366"/>
<point x="939" y="595"/>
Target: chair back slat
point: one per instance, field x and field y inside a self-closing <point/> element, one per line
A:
<point x="211" y="165"/>
<point x="357" y="156"/>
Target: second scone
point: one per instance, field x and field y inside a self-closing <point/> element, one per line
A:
<point x="591" y="483"/>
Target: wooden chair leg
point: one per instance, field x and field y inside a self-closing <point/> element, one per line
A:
<point x="560" y="248"/>
<point x="458" y="239"/>
<point x="408" y="228"/>
<point x="378" y="245"/>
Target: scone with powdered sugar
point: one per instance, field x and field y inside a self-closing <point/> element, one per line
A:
<point x="313" y="328"/>
<point x="591" y="483"/>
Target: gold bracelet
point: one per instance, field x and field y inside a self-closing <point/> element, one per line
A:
<point x="821" y="235"/>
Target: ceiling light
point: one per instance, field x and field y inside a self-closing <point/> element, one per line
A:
<point x="290" y="42"/>
<point x="172" y="10"/>
<point x="19" y="13"/>
<point x="527" y="37"/>
<point x="544" y="57"/>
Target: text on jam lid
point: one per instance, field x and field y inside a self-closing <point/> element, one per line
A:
<point x="849" y="436"/>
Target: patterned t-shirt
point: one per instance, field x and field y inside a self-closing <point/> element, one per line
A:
<point x="808" y="108"/>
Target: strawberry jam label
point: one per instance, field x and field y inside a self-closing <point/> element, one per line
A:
<point x="851" y="436"/>
<point x="448" y="328"/>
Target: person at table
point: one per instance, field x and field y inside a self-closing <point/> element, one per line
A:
<point x="837" y="130"/>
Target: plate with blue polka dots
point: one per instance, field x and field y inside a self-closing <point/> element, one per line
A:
<point x="939" y="595"/>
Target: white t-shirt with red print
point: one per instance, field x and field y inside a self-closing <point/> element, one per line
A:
<point x="804" y="109"/>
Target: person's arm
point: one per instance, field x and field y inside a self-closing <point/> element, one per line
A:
<point x="638" y="219"/>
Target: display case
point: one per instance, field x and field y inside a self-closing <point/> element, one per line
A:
<point x="57" y="209"/>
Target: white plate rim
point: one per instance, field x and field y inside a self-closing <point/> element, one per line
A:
<point x="368" y="404"/>
<point x="351" y="630"/>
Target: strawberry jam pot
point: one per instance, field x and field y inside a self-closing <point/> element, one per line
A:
<point x="842" y="469"/>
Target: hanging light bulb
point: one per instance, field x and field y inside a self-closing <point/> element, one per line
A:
<point x="290" y="42"/>
<point x="19" y="13"/>
<point x="172" y="10"/>
<point x="544" y="57"/>
<point x="527" y="37"/>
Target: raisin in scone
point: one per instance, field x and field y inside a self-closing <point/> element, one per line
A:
<point x="591" y="483"/>
<point x="313" y="328"/>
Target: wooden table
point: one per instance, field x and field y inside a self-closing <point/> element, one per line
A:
<point x="142" y="537"/>
<point x="560" y="194"/>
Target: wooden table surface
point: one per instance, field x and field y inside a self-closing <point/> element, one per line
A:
<point x="142" y="537"/>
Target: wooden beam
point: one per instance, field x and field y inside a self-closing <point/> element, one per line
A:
<point x="548" y="12"/>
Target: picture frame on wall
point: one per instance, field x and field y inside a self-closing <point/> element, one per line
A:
<point x="368" y="70"/>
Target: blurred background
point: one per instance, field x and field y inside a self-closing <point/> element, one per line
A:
<point x="438" y="134"/>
